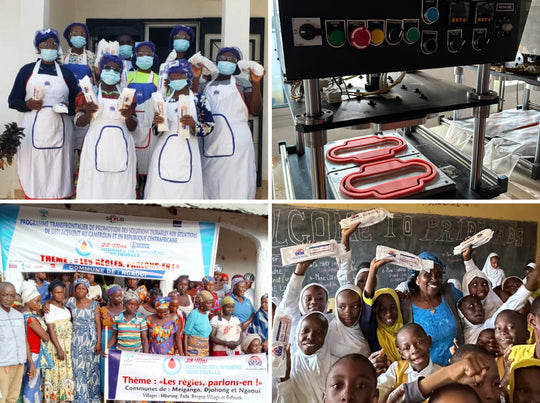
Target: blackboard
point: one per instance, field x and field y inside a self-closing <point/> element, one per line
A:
<point x="514" y="241"/>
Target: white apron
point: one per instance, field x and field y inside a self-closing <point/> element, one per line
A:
<point x="108" y="162"/>
<point x="44" y="158"/>
<point x="144" y="140"/>
<point x="175" y="167"/>
<point x="228" y="157"/>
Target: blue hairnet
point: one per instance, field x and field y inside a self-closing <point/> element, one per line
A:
<point x="434" y="258"/>
<point x="177" y="28"/>
<point x="44" y="34"/>
<point x="107" y="57"/>
<point x="151" y="45"/>
<point x="181" y="66"/>
<point x="73" y="24"/>
<point x="235" y="51"/>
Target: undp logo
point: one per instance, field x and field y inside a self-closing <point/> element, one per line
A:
<point x="171" y="365"/>
<point x="84" y="247"/>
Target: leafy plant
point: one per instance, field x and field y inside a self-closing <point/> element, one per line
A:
<point x="10" y="140"/>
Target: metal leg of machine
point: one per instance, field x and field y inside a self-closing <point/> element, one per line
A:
<point x="526" y="96"/>
<point x="458" y="73"/>
<point x="286" y="168"/>
<point x="300" y="144"/>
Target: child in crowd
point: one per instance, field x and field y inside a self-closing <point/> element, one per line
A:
<point x="95" y="291"/>
<point x="455" y="392"/>
<point x="524" y="385"/>
<point x="510" y="330"/>
<point x="487" y="339"/>
<point x="526" y="351"/>
<point x="260" y="322"/>
<point x="129" y="328"/>
<point x="493" y="271"/>
<point x="226" y="331"/>
<point x="251" y="344"/>
<point x="413" y="344"/>
<point x="133" y="285"/>
<point x="351" y="379"/>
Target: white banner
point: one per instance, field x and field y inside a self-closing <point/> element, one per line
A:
<point x="38" y="239"/>
<point x="152" y="377"/>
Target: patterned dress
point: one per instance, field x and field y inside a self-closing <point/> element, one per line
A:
<point x="161" y="337"/>
<point x="107" y="322"/>
<point x="85" y="361"/>
<point x="58" y="381"/>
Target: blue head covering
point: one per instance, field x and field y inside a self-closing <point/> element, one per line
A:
<point x="151" y="45"/>
<point x="177" y="28"/>
<point x="235" y="51"/>
<point x="82" y="281"/>
<point x="112" y="289"/>
<point x="434" y="258"/>
<point x="181" y="66"/>
<point x="44" y="34"/>
<point x="208" y="279"/>
<point x="106" y="58"/>
<point x="73" y="24"/>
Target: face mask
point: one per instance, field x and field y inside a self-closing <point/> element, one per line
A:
<point x="126" y="51"/>
<point x="78" y="41"/>
<point x="145" y="62"/>
<point x="110" y="77"/>
<point x="178" y="84"/>
<point x="181" y="45"/>
<point x="49" y="55"/>
<point x="226" y="68"/>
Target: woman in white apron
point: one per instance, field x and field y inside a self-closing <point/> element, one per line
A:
<point x="45" y="93"/>
<point x="108" y="162"/>
<point x="175" y="167"/>
<point x="228" y="156"/>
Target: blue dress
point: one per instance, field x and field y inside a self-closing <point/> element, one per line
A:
<point x="85" y="361"/>
<point x="441" y="326"/>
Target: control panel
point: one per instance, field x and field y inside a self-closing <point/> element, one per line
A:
<point x="325" y="39"/>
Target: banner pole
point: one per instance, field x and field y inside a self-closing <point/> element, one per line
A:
<point x="106" y="376"/>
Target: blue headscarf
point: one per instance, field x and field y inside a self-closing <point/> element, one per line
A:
<point x="73" y="24"/>
<point x="181" y="66"/>
<point x="106" y="58"/>
<point x="82" y="281"/>
<point x="236" y="52"/>
<point x="177" y="28"/>
<point x="44" y="34"/>
<point x="413" y="274"/>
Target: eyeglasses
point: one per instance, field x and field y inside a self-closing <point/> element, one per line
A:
<point x="48" y="45"/>
<point x="181" y="35"/>
<point x="77" y="33"/>
<point x="227" y="59"/>
<point x="145" y="54"/>
<point x="109" y="68"/>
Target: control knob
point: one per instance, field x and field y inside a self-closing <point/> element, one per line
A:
<point x="429" y="46"/>
<point x="308" y="32"/>
<point x="480" y="42"/>
<point x="456" y="44"/>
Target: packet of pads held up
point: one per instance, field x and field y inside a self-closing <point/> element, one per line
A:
<point x="282" y="332"/>
<point x="39" y="92"/>
<point x="366" y="218"/>
<point x="300" y="253"/>
<point x="88" y="90"/>
<point x="245" y="65"/>
<point x="403" y="259"/>
<point x="209" y="68"/>
<point x="126" y="98"/>
<point x="183" y="110"/>
<point x="161" y="109"/>
<point x="475" y="241"/>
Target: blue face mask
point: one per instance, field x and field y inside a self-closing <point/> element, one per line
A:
<point x="226" y="68"/>
<point x="144" y="62"/>
<point x="126" y="51"/>
<point x="181" y="45"/>
<point x="78" y="41"/>
<point x="110" y="77"/>
<point x="177" y="85"/>
<point x="49" y="55"/>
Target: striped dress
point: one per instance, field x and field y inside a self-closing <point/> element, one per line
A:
<point x="129" y="332"/>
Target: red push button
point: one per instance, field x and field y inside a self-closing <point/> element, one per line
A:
<point x="360" y="38"/>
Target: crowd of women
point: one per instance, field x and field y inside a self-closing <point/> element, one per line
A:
<point x="475" y="340"/>
<point x="198" y="146"/>
<point x="70" y="323"/>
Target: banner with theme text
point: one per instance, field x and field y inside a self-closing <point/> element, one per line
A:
<point x="152" y="377"/>
<point x="37" y="239"/>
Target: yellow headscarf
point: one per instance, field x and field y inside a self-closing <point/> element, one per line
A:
<point x="387" y="334"/>
<point x="529" y="362"/>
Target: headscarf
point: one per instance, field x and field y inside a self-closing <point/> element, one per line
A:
<point x="44" y="34"/>
<point x="224" y="277"/>
<point x="236" y="52"/>
<point x="345" y="340"/>
<point x="28" y="294"/>
<point x="387" y="334"/>
<point x="74" y="24"/>
<point x="508" y="278"/>
<point x="235" y="281"/>
<point x="359" y="274"/>
<point x="131" y="295"/>
<point x="82" y="281"/>
<point x="218" y="268"/>
<point x="162" y="303"/>
<point x="264" y="296"/>
<point x="302" y="311"/>
<point x="309" y="371"/>
<point x="434" y="258"/>
<point x="492" y="302"/>
<point x="247" y="341"/>
<point x="227" y="301"/>
<point x="177" y="28"/>
<point x="412" y="286"/>
<point x="208" y="279"/>
<point x="249" y="277"/>
<point x="529" y="362"/>
<point x="112" y="289"/>
<point x="496" y="276"/>
<point x="204" y="296"/>
<point x="106" y="58"/>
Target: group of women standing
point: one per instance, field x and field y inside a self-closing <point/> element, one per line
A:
<point x="120" y="146"/>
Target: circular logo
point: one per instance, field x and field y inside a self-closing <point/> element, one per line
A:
<point x="84" y="247"/>
<point x="171" y="365"/>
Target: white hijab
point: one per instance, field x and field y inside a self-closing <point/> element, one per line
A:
<point x="492" y="301"/>
<point x="345" y="340"/>
<point x="496" y="276"/>
<point x="359" y="273"/>
<point x="309" y="371"/>
<point x="302" y="310"/>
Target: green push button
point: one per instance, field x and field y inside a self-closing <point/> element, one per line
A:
<point x="336" y="38"/>
<point x="413" y="34"/>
